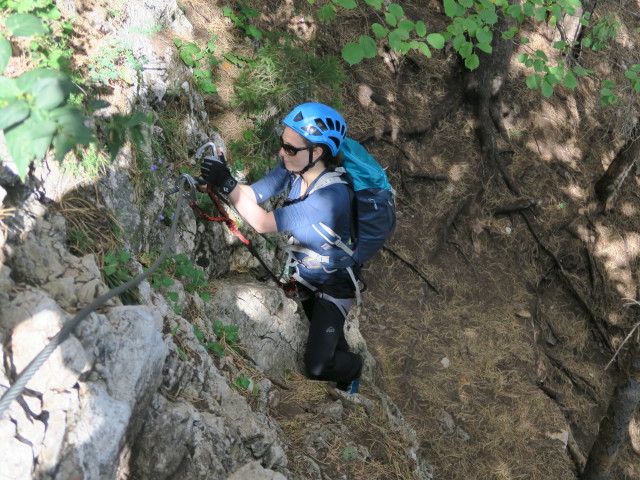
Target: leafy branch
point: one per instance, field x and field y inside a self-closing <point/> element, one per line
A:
<point x="471" y="30"/>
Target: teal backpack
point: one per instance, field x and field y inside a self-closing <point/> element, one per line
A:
<point x="375" y="211"/>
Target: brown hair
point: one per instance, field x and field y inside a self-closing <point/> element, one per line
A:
<point x="331" y="162"/>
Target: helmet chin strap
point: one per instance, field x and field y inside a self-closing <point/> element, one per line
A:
<point x="311" y="163"/>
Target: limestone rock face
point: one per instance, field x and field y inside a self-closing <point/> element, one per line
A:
<point x="272" y="332"/>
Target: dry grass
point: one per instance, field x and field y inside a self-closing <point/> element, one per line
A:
<point x="362" y="446"/>
<point x="90" y="228"/>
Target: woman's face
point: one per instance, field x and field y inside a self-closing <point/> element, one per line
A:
<point x="293" y="150"/>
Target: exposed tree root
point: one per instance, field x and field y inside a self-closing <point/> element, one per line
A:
<point x="579" y="381"/>
<point x="445" y="230"/>
<point x="413" y="267"/>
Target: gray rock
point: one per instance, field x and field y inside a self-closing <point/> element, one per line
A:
<point x="37" y="318"/>
<point x="271" y="331"/>
<point x="333" y="410"/>
<point x="255" y="471"/>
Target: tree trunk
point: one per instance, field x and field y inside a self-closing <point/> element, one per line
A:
<point x="607" y="187"/>
<point x="614" y="427"/>
<point x="483" y="89"/>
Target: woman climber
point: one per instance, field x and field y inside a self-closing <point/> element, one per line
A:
<point x="318" y="215"/>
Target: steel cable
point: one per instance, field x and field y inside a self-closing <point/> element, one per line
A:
<point x="30" y="370"/>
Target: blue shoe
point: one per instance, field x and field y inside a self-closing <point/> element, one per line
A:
<point x="351" y="387"/>
<point x="354" y="385"/>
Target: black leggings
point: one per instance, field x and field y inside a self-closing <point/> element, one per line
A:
<point x="327" y="356"/>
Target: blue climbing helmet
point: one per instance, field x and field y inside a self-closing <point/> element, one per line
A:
<point x="318" y="123"/>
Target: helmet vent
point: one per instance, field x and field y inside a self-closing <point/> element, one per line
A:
<point x="321" y="124"/>
<point x="330" y="123"/>
<point x="336" y="141"/>
<point x="298" y="117"/>
<point x="311" y="130"/>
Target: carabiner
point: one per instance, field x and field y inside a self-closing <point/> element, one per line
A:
<point x="189" y="187"/>
<point x="201" y="151"/>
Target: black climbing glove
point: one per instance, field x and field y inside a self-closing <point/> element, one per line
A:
<point x="215" y="172"/>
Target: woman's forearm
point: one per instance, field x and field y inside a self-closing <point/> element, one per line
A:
<point x="244" y="199"/>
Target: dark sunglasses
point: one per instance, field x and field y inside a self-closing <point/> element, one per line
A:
<point x="291" y="150"/>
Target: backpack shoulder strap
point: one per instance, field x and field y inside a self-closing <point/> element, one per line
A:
<point x="329" y="178"/>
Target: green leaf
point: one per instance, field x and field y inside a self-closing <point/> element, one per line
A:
<point x="377" y="4"/>
<point x="578" y="70"/>
<point x="205" y="296"/>
<point x="466" y="49"/>
<point x="253" y="32"/>
<point x="405" y="47"/>
<point x="391" y="19"/>
<point x="13" y="113"/>
<point x="97" y="104"/>
<point x="173" y="296"/>
<point x="489" y="16"/>
<point x="570" y="80"/>
<point x="27" y="80"/>
<point x="41" y="133"/>
<point x="421" y="28"/>
<point x="534" y="81"/>
<point x="327" y="13"/>
<point x="379" y="31"/>
<point x="243" y="382"/>
<point x="608" y="84"/>
<point x="20" y="143"/>
<point x="539" y="65"/>
<point x="395" y="39"/>
<point x="541" y="14"/>
<point x="396" y="10"/>
<point x="424" y="48"/>
<point x="177" y="42"/>
<point x="485" y="47"/>
<point x="547" y="89"/>
<point x="109" y="269"/>
<point x="560" y="45"/>
<point x="25" y="25"/>
<point x="635" y="68"/>
<point x="466" y="3"/>
<point x="484" y="35"/>
<point x="471" y="25"/>
<point x="352" y="53"/>
<point x="450" y="8"/>
<point x="509" y="34"/>
<point x="542" y="55"/>
<point x="630" y="75"/>
<point x="407" y="25"/>
<point x="436" y="40"/>
<point x="369" y="48"/>
<point x="348" y="4"/>
<point x="529" y="9"/>
<point x="524" y="40"/>
<point x="181" y="353"/>
<point x="198" y="333"/>
<point x="5" y="53"/>
<point x="472" y="62"/>
<point x="606" y="92"/>
<point x="514" y="10"/>
<point x="49" y="93"/>
<point x="8" y="89"/>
